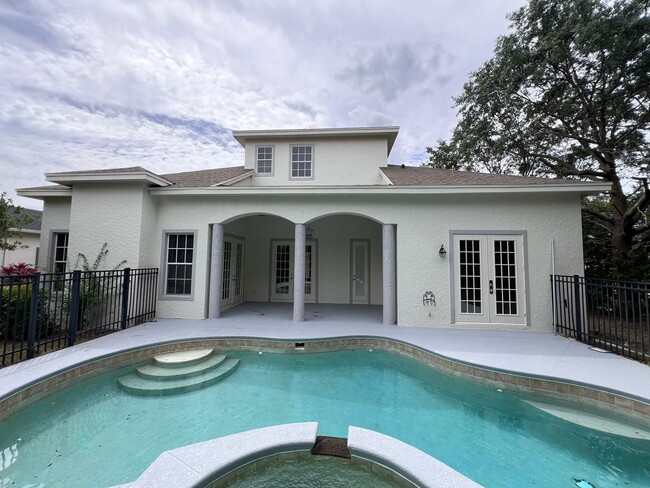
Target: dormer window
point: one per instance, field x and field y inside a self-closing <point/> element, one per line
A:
<point x="264" y="161"/>
<point x="302" y="162"/>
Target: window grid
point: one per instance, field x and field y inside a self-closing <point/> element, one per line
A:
<point x="264" y="163"/>
<point x="505" y="274"/>
<point x="308" y="270"/>
<point x="225" y="276"/>
<point x="60" y="252"/>
<point x="470" y="277"/>
<point x="283" y="267"/>
<point x="238" y="257"/>
<point x="301" y="161"/>
<point x="180" y="256"/>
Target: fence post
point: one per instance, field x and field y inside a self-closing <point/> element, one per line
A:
<point x="125" y="296"/>
<point x="74" y="307"/>
<point x="33" y="314"/>
<point x="578" y="306"/>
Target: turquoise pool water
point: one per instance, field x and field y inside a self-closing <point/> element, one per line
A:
<point x="94" y="434"/>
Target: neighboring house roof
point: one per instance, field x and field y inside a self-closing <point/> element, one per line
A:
<point x="425" y="176"/>
<point x="209" y="177"/>
<point x="36" y="216"/>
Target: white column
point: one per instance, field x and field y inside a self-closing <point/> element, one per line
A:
<point x="216" y="272"/>
<point x="388" y="268"/>
<point x="299" y="274"/>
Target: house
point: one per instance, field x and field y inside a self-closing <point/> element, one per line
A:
<point x="30" y="237"/>
<point x="430" y="247"/>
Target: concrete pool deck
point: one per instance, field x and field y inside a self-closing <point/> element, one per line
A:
<point x="535" y="354"/>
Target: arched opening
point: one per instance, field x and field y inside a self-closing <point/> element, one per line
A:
<point x="341" y="262"/>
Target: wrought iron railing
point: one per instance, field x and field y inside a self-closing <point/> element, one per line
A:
<point x="43" y="312"/>
<point x="610" y="314"/>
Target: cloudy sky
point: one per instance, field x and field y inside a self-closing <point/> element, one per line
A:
<point x="161" y="83"/>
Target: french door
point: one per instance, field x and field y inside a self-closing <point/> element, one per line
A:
<point x="359" y="273"/>
<point x="232" y="285"/>
<point x="489" y="279"/>
<point x="282" y="279"/>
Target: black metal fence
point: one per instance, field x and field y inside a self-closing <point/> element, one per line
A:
<point x="43" y="312"/>
<point x="613" y="315"/>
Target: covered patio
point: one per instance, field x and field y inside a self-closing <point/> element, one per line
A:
<point x="314" y="313"/>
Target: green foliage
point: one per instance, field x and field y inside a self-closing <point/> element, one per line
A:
<point x="12" y="219"/>
<point x="565" y="95"/>
<point x="15" y="304"/>
<point x="94" y="290"/>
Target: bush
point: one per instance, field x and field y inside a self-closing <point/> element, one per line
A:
<point x="15" y="304"/>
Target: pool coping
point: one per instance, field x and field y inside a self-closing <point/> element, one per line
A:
<point x="203" y="464"/>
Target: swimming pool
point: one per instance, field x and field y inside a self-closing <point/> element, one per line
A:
<point x="94" y="434"/>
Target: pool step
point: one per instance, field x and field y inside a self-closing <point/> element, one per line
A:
<point x="178" y="373"/>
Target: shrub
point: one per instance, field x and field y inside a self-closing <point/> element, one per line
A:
<point x="15" y="304"/>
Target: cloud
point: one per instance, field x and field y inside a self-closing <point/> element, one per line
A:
<point x="392" y="68"/>
<point x="161" y="84"/>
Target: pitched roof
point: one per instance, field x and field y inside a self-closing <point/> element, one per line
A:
<point x="425" y="176"/>
<point x="206" y="177"/>
<point x="35" y="215"/>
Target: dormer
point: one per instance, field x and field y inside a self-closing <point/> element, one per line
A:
<point x="331" y="157"/>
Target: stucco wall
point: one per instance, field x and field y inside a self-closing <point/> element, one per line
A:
<point x="56" y="217"/>
<point x="107" y="213"/>
<point x="423" y="224"/>
<point x="356" y="160"/>
<point x="23" y="254"/>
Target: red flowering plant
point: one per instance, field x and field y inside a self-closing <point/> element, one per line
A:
<point x="20" y="269"/>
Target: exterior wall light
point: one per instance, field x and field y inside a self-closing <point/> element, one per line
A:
<point x="442" y="253"/>
<point x="310" y="232"/>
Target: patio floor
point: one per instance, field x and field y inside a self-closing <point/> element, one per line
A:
<point x="530" y="353"/>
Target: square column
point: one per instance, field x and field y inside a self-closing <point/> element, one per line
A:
<point x="216" y="272"/>
<point x="299" y="273"/>
<point x="388" y="270"/>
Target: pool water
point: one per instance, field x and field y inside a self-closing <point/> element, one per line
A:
<point x="94" y="434"/>
<point x="291" y="471"/>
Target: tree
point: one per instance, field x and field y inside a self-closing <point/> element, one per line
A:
<point x="12" y="220"/>
<point x="566" y="94"/>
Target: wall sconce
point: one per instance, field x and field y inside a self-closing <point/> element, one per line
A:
<point x="442" y="253"/>
<point x="309" y="232"/>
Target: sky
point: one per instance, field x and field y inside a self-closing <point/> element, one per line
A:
<point x="161" y="84"/>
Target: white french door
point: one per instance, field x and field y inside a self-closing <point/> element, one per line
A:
<point x="359" y="273"/>
<point x="489" y="279"/>
<point x="232" y="284"/>
<point x="282" y="256"/>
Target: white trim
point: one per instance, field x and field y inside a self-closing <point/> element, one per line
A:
<point x="121" y="176"/>
<point x="44" y="192"/>
<point x="163" y="295"/>
<point x="584" y="189"/>
<point x="385" y="178"/>
<point x="312" y="163"/>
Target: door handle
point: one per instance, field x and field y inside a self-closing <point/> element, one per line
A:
<point x="491" y="288"/>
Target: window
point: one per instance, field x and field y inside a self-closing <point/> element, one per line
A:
<point x="180" y="259"/>
<point x="59" y="251"/>
<point x="302" y="159"/>
<point x="264" y="160"/>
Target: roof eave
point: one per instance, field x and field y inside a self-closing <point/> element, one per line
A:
<point x="41" y="193"/>
<point x="69" y="179"/>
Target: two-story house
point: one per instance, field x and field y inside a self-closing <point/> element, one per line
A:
<point x="317" y="216"/>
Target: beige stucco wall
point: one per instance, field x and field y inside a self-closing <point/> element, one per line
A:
<point x="423" y="224"/>
<point x="353" y="160"/>
<point x="56" y="218"/>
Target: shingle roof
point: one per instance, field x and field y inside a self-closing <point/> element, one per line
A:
<point x="35" y="215"/>
<point x="205" y="177"/>
<point x="424" y="176"/>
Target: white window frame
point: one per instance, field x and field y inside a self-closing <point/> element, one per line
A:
<point x="164" y="294"/>
<point x="257" y="160"/>
<point x="291" y="162"/>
